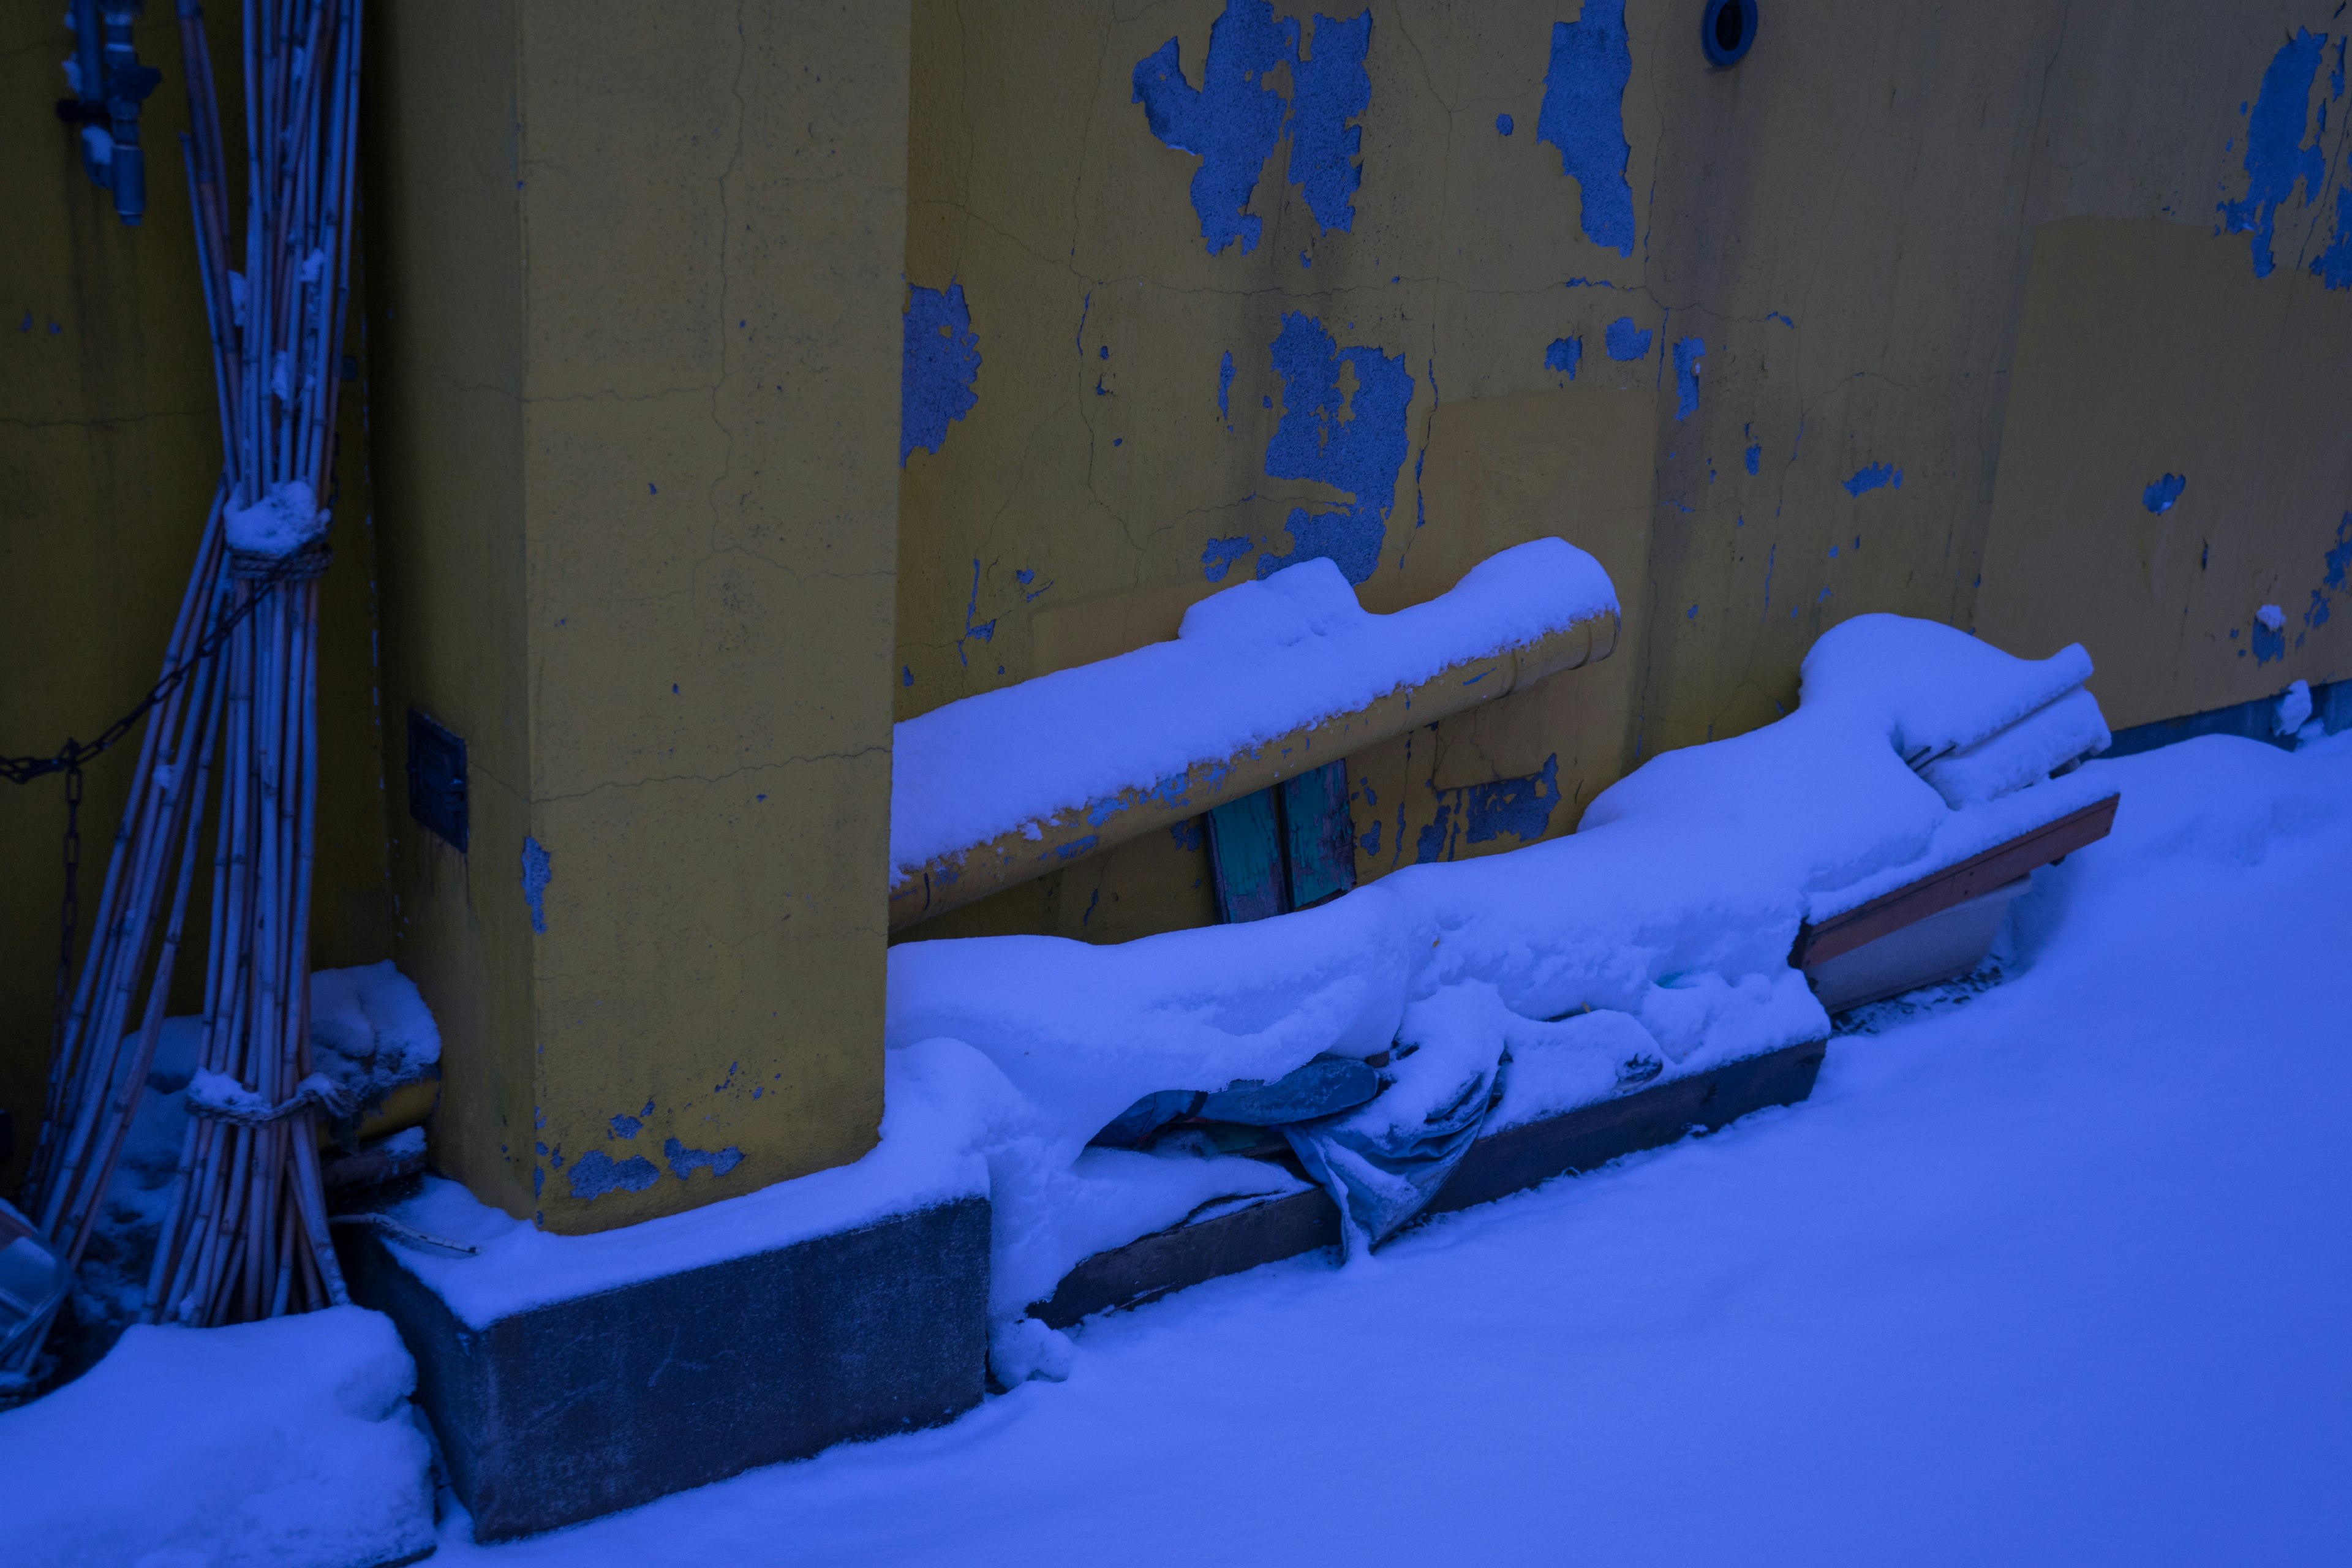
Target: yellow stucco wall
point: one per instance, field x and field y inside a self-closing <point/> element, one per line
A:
<point x="109" y="451"/>
<point x="633" y="361"/>
<point x="637" y="319"/>
<point x="1847" y="221"/>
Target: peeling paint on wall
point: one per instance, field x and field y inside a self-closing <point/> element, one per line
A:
<point x="2333" y="266"/>
<point x="941" y="363"/>
<point x="684" y="1161"/>
<point x="536" y="874"/>
<point x="1217" y="556"/>
<point x="1875" y="477"/>
<point x="1583" y="115"/>
<point x="2338" y="562"/>
<point x="1329" y="88"/>
<point x="1627" y="341"/>
<point x="1480" y="814"/>
<point x="595" y="1173"/>
<point x="2276" y="154"/>
<point x="2158" y="497"/>
<point x="1355" y="443"/>
<point x="1690" y="354"/>
<point x="1231" y="121"/>
<point x="1564" y="355"/>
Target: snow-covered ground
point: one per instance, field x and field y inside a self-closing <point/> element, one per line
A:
<point x="2056" y="1270"/>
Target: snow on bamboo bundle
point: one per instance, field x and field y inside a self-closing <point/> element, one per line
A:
<point x="245" y="1234"/>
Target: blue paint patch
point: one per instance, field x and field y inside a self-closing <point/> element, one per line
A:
<point x="1690" y="357"/>
<point x="2158" y="497"/>
<point x="974" y="630"/>
<point x="536" y="875"/>
<point x="1072" y="850"/>
<point x="625" y="1126"/>
<point x="1229" y="121"/>
<point x="538" y="1183"/>
<point x="906" y="675"/>
<point x="1503" y="127"/>
<point x="1188" y="835"/>
<point x="1226" y="386"/>
<point x="1564" y="355"/>
<point x="1874" y="477"/>
<point x="1328" y="90"/>
<point x="1217" y="556"/>
<point x="684" y="1161"/>
<point x="1784" y="320"/>
<point x="1355" y="444"/>
<point x="942" y="361"/>
<point x="1626" y="341"/>
<point x="1370" y="842"/>
<point x="1432" y="842"/>
<point x="1755" y="456"/>
<point x="1520" y="807"/>
<point x="2339" y="562"/>
<point x="2268" y="644"/>
<point x="2276" y="154"/>
<point x="595" y="1173"/>
<point x="1583" y="115"/>
<point x="2333" y="266"/>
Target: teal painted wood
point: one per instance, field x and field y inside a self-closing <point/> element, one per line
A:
<point x="1318" y="836"/>
<point x="1245" y="851"/>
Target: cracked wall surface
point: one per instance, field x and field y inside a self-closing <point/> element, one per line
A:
<point x="110" y="452"/>
<point x="641" y="447"/>
<point x="1822" y="289"/>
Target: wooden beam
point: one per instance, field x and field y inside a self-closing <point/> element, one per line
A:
<point x="1933" y="894"/>
<point x="961" y="876"/>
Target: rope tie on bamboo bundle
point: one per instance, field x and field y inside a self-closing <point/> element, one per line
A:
<point x="223" y="1099"/>
<point x="298" y="565"/>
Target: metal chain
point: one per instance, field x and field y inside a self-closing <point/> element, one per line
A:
<point x="69" y="915"/>
<point x="70" y="757"/>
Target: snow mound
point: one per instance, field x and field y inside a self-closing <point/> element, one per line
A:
<point x="288" y="1443"/>
<point x="370" y="1030"/>
<point x="1254" y="662"/>
<point x="1660" y="932"/>
<point x="280" y="523"/>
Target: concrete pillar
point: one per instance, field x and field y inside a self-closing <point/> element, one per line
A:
<point x="636" y="329"/>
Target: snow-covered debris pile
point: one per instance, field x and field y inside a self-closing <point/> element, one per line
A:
<point x="370" y="1030"/>
<point x="1669" y="917"/>
<point x="1248" y="665"/>
<point x="1653" y="943"/>
<point x="288" y="1442"/>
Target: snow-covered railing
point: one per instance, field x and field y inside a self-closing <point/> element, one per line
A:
<point x="1262" y="682"/>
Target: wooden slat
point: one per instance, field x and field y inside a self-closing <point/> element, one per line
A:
<point x="1933" y="894"/>
<point x="1318" y="836"/>
<point x="1245" y="854"/>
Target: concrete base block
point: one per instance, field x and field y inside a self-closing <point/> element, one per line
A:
<point x="582" y="1406"/>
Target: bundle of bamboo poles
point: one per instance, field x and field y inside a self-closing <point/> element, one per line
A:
<point x="245" y="1234"/>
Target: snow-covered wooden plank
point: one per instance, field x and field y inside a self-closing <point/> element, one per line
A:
<point x="1262" y="682"/>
